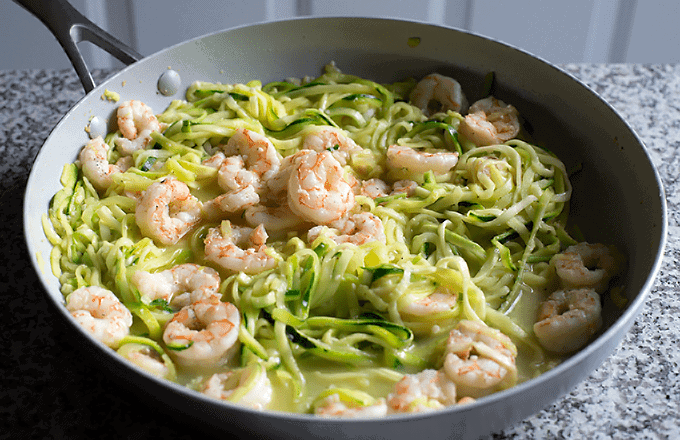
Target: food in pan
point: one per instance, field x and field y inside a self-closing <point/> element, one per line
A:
<point x="329" y="245"/>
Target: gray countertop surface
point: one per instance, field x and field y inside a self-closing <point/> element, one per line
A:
<point x="50" y="389"/>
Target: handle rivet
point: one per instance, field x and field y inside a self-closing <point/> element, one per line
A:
<point x="97" y="127"/>
<point x="169" y="82"/>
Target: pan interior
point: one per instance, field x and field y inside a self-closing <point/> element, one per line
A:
<point x="617" y="195"/>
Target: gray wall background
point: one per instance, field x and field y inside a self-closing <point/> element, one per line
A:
<point x="597" y="31"/>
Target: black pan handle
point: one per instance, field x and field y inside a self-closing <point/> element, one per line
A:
<point x="71" y="27"/>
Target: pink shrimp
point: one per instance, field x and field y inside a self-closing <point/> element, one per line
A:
<point x="136" y="122"/>
<point x="167" y="211"/>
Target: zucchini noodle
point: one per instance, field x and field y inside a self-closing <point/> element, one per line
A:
<point x="482" y="233"/>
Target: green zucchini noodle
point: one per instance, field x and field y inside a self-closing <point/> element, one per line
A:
<point x="482" y="233"/>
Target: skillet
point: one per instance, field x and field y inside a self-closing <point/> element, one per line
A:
<point x="618" y="197"/>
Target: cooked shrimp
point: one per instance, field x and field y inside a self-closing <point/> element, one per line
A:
<point x="280" y="218"/>
<point x="248" y="161"/>
<point x="374" y="188"/>
<point x="136" y="122"/>
<point x="357" y="229"/>
<point x="425" y="391"/>
<point x="180" y="286"/>
<point x="490" y="121"/>
<point x="278" y="183"/>
<point x="333" y="140"/>
<point x="96" y="167"/>
<point x="100" y="313"/>
<point x="419" y="161"/>
<point x="479" y="359"/>
<point x="167" y="211"/>
<point x="230" y="202"/>
<point x="439" y="301"/>
<point x="568" y="319"/>
<point x="585" y="265"/>
<point x="203" y="334"/>
<point x="258" y="153"/>
<point x="438" y="93"/>
<point x="333" y="406"/>
<point x="214" y="161"/>
<point x="317" y="189"/>
<point x="249" y="386"/>
<point x="239" y="249"/>
<point x="407" y="187"/>
<point x="241" y="186"/>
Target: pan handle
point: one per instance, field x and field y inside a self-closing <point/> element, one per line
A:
<point x="71" y="27"/>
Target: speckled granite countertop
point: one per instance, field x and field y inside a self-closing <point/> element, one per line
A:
<point x="48" y="389"/>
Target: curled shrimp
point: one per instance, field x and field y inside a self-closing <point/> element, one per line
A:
<point x="239" y="249"/>
<point x="180" y="286"/>
<point x="247" y="161"/>
<point x="419" y="162"/>
<point x="136" y="122"/>
<point x="258" y="153"/>
<point x="333" y="140"/>
<point x="167" y="211"/>
<point x="100" y="313"/>
<point x="425" y="391"/>
<point x="438" y="93"/>
<point x="490" y="121"/>
<point x="479" y="359"/>
<point x="568" y="319"/>
<point x="203" y="334"/>
<point x="586" y="265"/>
<point x="317" y="189"/>
<point x="357" y="229"/>
<point x="248" y="386"/>
<point x="95" y="163"/>
<point x="241" y="185"/>
<point x="333" y="406"/>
